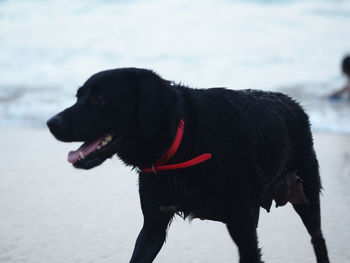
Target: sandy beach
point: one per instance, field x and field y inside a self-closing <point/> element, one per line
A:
<point x="53" y="213"/>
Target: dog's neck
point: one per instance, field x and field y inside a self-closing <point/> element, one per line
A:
<point x="137" y="151"/>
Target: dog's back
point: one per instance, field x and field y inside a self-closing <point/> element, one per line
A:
<point x="254" y="132"/>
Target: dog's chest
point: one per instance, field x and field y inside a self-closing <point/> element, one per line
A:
<point x="182" y="196"/>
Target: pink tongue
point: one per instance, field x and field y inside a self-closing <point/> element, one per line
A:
<point x="85" y="149"/>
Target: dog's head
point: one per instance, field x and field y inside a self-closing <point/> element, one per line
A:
<point x="116" y="111"/>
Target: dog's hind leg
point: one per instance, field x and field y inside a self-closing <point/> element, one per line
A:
<point x="310" y="212"/>
<point x="243" y="232"/>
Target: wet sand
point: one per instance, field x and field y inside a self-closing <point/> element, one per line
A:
<point x="50" y="212"/>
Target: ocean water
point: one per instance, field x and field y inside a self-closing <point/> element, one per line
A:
<point x="49" y="48"/>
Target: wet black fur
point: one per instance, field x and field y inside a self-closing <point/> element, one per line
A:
<point x="253" y="136"/>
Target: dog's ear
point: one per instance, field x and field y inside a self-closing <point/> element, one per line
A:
<point x="157" y="100"/>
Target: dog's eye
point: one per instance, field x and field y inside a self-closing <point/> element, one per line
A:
<point x="98" y="99"/>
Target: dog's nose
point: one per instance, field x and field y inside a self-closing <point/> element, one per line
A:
<point x="55" y="123"/>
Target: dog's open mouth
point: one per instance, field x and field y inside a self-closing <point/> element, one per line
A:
<point x="93" y="153"/>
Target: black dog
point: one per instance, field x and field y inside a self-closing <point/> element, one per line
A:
<point x="233" y="152"/>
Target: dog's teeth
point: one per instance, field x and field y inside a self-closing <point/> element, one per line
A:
<point x="104" y="143"/>
<point x="108" y="138"/>
<point x="81" y="155"/>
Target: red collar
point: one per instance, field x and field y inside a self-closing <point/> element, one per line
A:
<point x="159" y="164"/>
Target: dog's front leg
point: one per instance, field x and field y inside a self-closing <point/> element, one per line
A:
<point x="153" y="233"/>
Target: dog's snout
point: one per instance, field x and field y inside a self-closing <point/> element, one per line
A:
<point x="55" y="123"/>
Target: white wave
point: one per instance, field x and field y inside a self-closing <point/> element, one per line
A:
<point x="56" y="45"/>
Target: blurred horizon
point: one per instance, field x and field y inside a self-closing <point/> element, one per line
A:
<point x="50" y="48"/>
